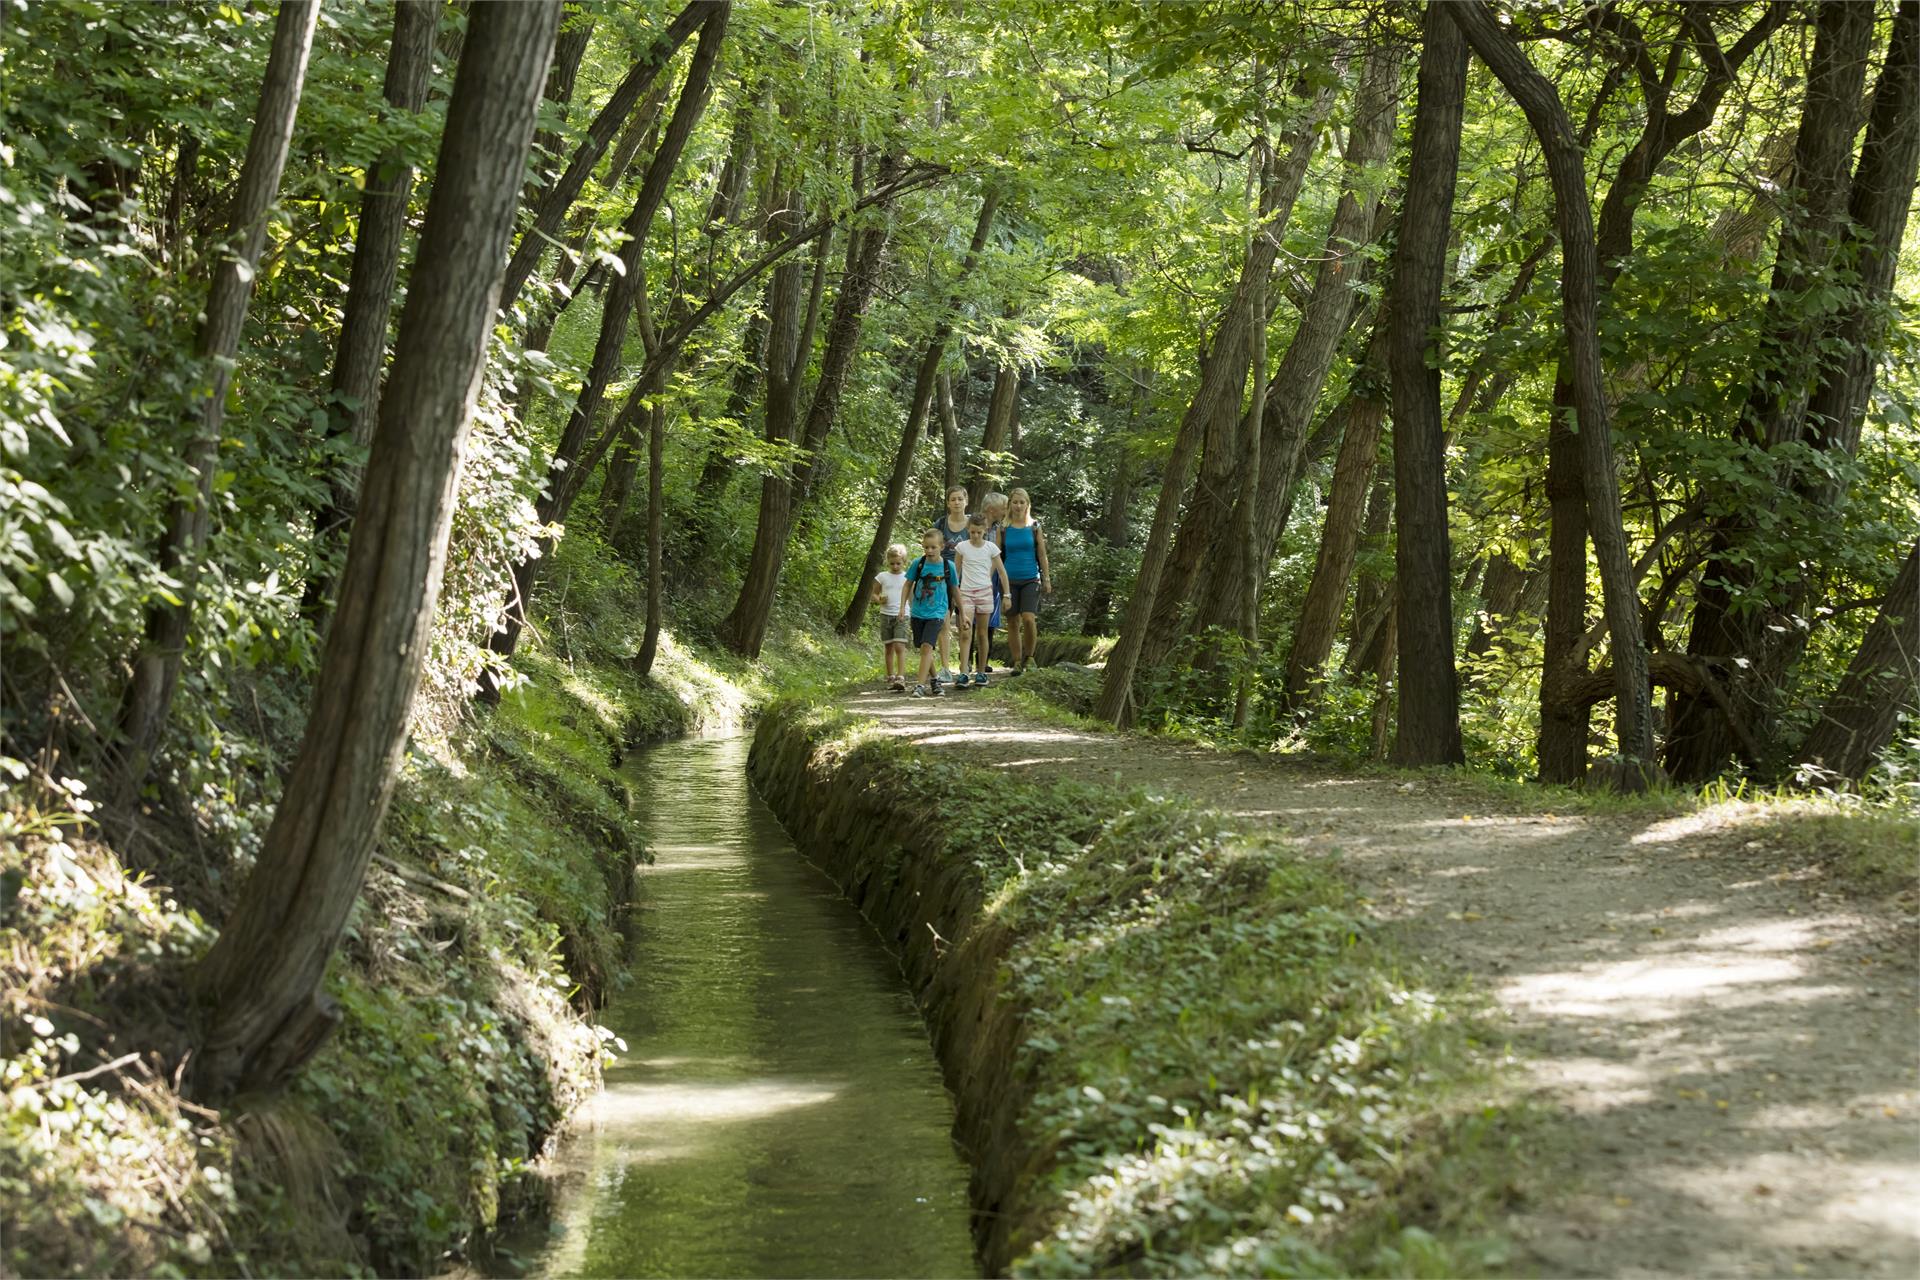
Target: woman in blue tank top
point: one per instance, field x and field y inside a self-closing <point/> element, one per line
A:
<point x="1024" y="547"/>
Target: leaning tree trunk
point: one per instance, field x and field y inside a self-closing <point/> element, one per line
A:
<point x="923" y="383"/>
<point x="1346" y="514"/>
<point x="1428" y="726"/>
<point x="553" y="206"/>
<point x="1329" y="312"/>
<point x="1701" y="736"/>
<point x="1580" y="286"/>
<point x="745" y="626"/>
<point x="567" y="469"/>
<point x="354" y="397"/>
<point x="262" y="979"/>
<point x="1222" y="378"/>
<point x="156" y="666"/>
<point x="1002" y="407"/>
<point x="1882" y="681"/>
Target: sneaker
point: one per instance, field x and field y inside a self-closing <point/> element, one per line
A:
<point x="939" y="690"/>
<point x="919" y="691"/>
<point x="946" y="674"/>
<point x="1018" y="670"/>
<point x="979" y="677"/>
<point x="896" y="685"/>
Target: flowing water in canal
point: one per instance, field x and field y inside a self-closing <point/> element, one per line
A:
<point x="777" y="1111"/>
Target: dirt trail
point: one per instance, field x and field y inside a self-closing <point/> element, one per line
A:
<point x="1735" y="1047"/>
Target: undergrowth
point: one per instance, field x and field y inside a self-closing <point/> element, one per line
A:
<point x="1231" y="1073"/>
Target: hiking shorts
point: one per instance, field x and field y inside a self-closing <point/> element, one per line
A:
<point x="1025" y="597"/>
<point x="894" y="629"/>
<point x="926" y="631"/>
<point x="975" y="602"/>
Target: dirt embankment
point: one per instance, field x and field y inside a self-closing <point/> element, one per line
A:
<point x="1729" y="1039"/>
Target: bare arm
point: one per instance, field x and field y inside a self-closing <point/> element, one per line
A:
<point x="1040" y="550"/>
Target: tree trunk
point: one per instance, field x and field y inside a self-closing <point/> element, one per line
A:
<point x="989" y="465"/>
<point x="745" y="625"/>
<point x="156" y="666"/>
<point x="1346" y="514"/>
<point x="1701" y="736"/>
<point x="262" y="979"/>
<point x="949" y="430"/>
<point x="1427" y="729"/>
<point x="354" y="398"/>
<point x="569" y="49"/>
<point x="553" y="206"/>
<point x="1882" y="681"/>
<point x="656" y="535"/>
<point x="1243" y="531"/>
<point x="1372" y="594"/>
<point x="1580" y="288"/>
<point x="1329" y="311"/>
<point x="856" y="610"/>
<point x="1113" y="537"/>
<point x="568" y="467"/>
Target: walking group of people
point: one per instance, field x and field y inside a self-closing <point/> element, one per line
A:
<point x="973" y="570"/>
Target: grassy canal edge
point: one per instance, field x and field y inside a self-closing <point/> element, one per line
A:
<point x="1174" y="1048"/>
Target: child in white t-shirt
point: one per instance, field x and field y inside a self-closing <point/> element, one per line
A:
<point x="889" y="589"/>
<point x="979" y="563"/>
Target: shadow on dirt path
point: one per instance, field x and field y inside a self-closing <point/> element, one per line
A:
<point x="1734" y="1046"/>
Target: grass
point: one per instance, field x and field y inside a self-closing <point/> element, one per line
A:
<point x="1231" y="1072"/>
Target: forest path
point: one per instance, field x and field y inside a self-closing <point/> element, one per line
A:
<point x="1730" y="1041"/>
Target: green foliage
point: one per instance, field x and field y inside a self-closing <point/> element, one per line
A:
<point x="1229" y="1072"/>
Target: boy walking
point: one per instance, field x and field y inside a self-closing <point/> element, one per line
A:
<point x="931" y="583"/>
<point x="889" y="592"/>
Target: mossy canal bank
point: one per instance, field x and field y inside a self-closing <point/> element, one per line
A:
<point x="1174" y="1047"/>
<point x="489" y="935"/>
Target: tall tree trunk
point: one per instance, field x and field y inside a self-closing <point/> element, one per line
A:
<point x="1373" y="593"/>
<point x="553" y="206"/>
<point x="569" y="466"/>
<point x="1428" y="726"/>
<point x="156" y="666"/>
<point x="656" y="535"/>
<point x="1002" y="407"/>
<point x="949" y="430"/>
<point x="354" y="397"/>
<point x="1243" y="531"/>
<point x="1113" y="535"/>
<point x="1329" y="311"/>
<point x="569" y="49"/>
<point x="745" y="625"/>
<point x="1504" y="589"/>
<point x="1346" y="514"/>
<point x="856" y="610"/>
<point x="1223" y="375"/>
<point x="1209" y="514"/>
<point x="1580" y="289"/>
<point x="262" y="979"/>
<point x="1882" y="681"/>
<point x="1701" y="737"/>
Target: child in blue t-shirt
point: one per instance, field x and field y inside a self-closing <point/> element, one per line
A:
<point x="931" y="585"/>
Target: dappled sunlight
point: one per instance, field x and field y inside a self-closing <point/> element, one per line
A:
<point x="640" y="1109"/>
<point x="1647" y="990"/>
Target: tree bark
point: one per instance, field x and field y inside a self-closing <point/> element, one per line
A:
<point x="1002" y="407"/>
<point x="745" y="626"/>
<point x="1580" y="289"/>
<point x="949" y="430"/>
<point x="1428" y="725"/>
<point x="1329" y="311"/>
<point x="923" y="383"/>
<point x="354" y="397"/>
<point x="156" y="666"/>
<point x="568" y="468"/>
<point x="1113" y="536"/>
<point x="1722" y="636"/>
<point x="262" y="979"/>
<point x="656" y="535"/>
<point x="1346" y="514"/>
<point x="1882" y="681"/>
<point x="1372" y="594"/>
<point x="553" y="206"/>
